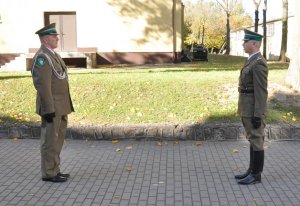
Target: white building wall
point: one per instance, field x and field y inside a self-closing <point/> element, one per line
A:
<point x="274" y="32"/>
<point x="100" y="23"/>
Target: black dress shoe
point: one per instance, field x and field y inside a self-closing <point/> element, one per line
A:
<point x="63" y="175"/>
<point x="242" y="176"/>
<point x="251" y="179"/>
<point x="57" y="178"/>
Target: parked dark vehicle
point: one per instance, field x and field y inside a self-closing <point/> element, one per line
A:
<point x="200" y="53"/>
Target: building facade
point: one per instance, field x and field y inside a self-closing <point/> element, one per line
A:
<point x="274" y="33"/>
<point x="93" y="32"/>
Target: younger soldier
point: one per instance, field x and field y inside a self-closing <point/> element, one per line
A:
<point x="252" y="106"/>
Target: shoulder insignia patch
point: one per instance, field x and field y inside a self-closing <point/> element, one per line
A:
<point x="258" y="58"/>
<point x="41" y="61"/>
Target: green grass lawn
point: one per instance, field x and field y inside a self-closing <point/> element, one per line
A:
<point x="198" y="92"/>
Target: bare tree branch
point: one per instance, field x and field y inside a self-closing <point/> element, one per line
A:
<point x="256" y="3"/>
<point x="228" y="5"/>
<point x="223" y="7"/>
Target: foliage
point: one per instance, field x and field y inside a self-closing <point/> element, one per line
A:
<point x="186" y="32"/>
<point x="240" y="18"/>
<point x="210" y="16"/>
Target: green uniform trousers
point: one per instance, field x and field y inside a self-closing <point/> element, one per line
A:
<point x="256" y="137"/>
<point x="52" y="139"/>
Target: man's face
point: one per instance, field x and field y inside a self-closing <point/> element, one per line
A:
<point x="248" y="46"/>
<point x="51" y="41"/>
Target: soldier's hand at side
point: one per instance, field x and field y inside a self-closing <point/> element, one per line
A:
<point x="256" y="122"/>
<point x="49" y="117"/>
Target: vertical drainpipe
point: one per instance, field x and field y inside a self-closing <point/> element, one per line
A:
<point x="174" y="31"/>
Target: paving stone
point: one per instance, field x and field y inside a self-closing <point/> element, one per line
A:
<point x="171" y="174"/>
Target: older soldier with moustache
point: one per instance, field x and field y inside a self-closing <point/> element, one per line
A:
<point x="252" y="106"/>
<point x="53" y="102"/>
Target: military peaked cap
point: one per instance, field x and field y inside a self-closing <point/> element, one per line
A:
<point x="251" y="35"/>
<point x="47" y="30"/>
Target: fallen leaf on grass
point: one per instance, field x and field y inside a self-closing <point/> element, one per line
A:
<point x="171" y="115"/>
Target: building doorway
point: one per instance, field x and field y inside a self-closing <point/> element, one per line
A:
<point x="66" y="27"/>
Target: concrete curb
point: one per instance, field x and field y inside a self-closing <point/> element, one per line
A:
<point x="220" y="131"/>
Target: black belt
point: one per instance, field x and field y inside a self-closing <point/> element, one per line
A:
<point x="246" y="91"/>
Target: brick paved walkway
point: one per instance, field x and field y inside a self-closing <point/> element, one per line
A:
<point x="144" y="173"/>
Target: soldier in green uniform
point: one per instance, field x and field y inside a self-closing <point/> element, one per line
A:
<point x="252" y="105"/>
<point x="53" y="102"/>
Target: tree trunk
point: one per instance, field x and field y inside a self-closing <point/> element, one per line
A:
<point x="256" y="21"/>
<point x="283" y="49"/>
<point x="202" y="35"/>
<point x="227" y="35"/>
<point x="293" y="76"/>
<point x="265" y="29"/>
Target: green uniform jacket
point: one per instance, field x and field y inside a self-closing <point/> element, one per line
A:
<point x="50" y="79"/>
<point x="253" y="76"/>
